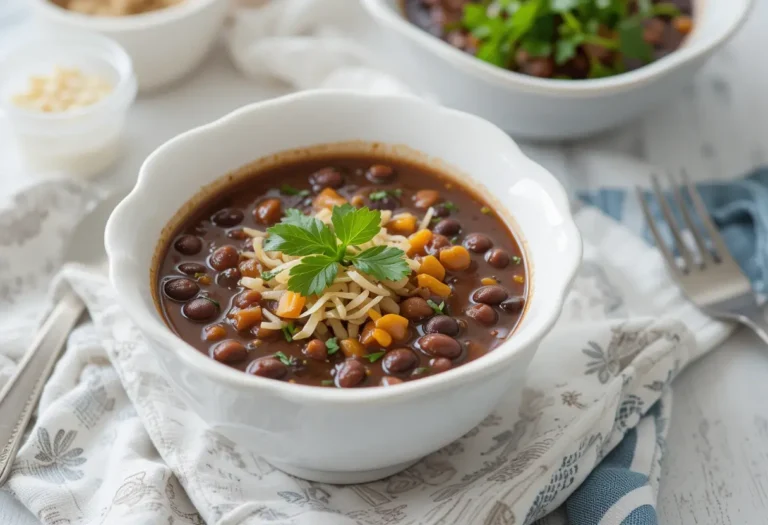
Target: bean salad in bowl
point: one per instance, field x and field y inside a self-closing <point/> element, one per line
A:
<point x="352" y="272"/>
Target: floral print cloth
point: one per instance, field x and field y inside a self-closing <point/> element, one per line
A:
<point x="113" y="444"/>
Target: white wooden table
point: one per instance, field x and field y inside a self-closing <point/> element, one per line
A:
<point x="716" y="466"/>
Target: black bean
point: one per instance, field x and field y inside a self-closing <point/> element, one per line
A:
<point x="497" y="258"/>
<point x="440" y="345"/>
<point x="230" y="351"/>
<point x="188" y="244"/>
<point x="483" y="314"/>
<point x="229" y="278"/>
<point x="351" y="373"/>
<point x="390" y="381"/>
<point x="316" y="349"/>
<point x="181" y="289"/>
<point x="415" y="308"/>
<point x="200" y="309"/>
<point x="442" y="324"/>
<point x="380" y="174"/>
<point x="228" y="217"/>
<point x="387" y="203"/>
<point x="268" y="211"/>
<point x="238" y="234"/>
<point x="270" y="367"/>
<point x="326" y="178"/>
<point x="440" y="364"/>
<point x="399" y="360"/>
<point x="224" y="257"/>
<point x="247" y="298"/>
<point x="513" y="305"/>
<point x="437" y="243"/>
<point x="492" y="294"/>
<point x="478" y="243"/>
<point x="191" y="268"/>
<point x="441" y="210"/>
<point x="447" y="227"/>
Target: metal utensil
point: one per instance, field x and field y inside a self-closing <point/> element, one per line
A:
<point x="20" y="396"/>
<point x="705" y="269"/>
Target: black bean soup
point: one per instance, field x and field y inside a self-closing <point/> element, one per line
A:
<point x="472" y="306"/>
<point x="591" y="39"/>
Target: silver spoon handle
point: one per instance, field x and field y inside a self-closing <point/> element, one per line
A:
<point x="20" y="396"/>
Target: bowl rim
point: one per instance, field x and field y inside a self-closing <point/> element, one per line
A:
<point x="116" y="24"/>
<point x="121" y="276"/>
<point x="624" y="81"/>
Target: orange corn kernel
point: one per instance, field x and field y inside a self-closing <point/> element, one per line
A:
<point x="382" y="337"/>
<point x="518" y="279"/>
<point x="366" y="336"/>
<point x="487" y="281"/>
<point x="403" y="225"/>
<point x="352" y="348"/>
<point x="431" y="266"/>
<point x="419" y="242"/>
<point x="395" y="325"/>
<point x="247" y="318"/>
<point x="290" y="305"/>
<point x="433" y="285"/>
<point x="328" y="198"/>
<point x="455" y="258"/>
<point x="373" y="314"/>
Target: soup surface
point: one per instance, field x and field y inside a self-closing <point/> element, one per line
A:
<point x="343" y="272"/>
<point x="565" y="39"/>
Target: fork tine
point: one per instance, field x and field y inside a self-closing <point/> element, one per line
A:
<point x="721" y="250"/>
<point x="706" y="254"/>
<point x="665" y="251"/>
<point x="672" y="223"/>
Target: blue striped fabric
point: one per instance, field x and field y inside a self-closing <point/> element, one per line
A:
<point x="622" y="489"/>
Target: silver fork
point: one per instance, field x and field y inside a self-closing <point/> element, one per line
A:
<point x="707" y="273"/>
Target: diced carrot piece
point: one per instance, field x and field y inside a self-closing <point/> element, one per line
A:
<point x="290" y="305"/>
<point x="433" y="285"/>
<point x="382" y="337"/>
<point x="352" y="348"/>
<point x="419" y="242"/>
<point x="214" y="332"/>
<point x="455" y="258"/>
<point x="395" y="325"/>
<point x="328" y="198"/>
<point x="431" y="266"/>
<point x="403" y="225"/>
<point x="247" y="318"/>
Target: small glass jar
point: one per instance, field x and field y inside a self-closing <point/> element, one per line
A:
<point x="82" y="141"/>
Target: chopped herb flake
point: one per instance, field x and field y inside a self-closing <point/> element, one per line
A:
<point x="375" y="356"/>
<point x="288" y="330"/>
<point x="200" y="274"/>
<point x="485" y="210"/>
<point x="215" y="302"/>
<point x="383" y="194"/>
<point x="516" y="259"/>
<point x="268" y="276"/>
<point x="327" y="382"/>
<point x="287" y="361"/>
<point x="332" y="345"/>
<point x="421" y="370"/>
<point x="287" y="189"/>
<point x="438" y="308"/>
<point x="450" y="206"/>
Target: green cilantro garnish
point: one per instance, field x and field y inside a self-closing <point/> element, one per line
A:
<point x="288" y="330"/>
<point x="375" y="356"/>
<point x="268" y="276"/>
<point x="324" y="248"/>
<point x="332" y="345"/>
<point x="287" y="189"/>
<point x="450" y="206"/>
<point x="558" y="29"/>
<point x="287" y="361"/>
<point x="214" y="301"/>
<point x="516" y="259"/>
<point x="438" y="308"/>
<point x="383" y="194"/>
<point x="326" y="382"/>
<point x="421" y="370"/>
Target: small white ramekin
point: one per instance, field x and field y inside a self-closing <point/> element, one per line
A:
<point x="164" y="45"/>
<point x="83" y="141"/>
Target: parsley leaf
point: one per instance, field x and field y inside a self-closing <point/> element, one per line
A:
<point x="631" y="42"/>
<point x="313" y="275"/>
<point x="301" y="235"/>
<point x="382" y="262"/>
<point x="332" y="345"/>
<point x="438" y="308"/>
<point x="375" y="356"/>
<point x="326" y="382"/>
<point x="355" y="226"/>
<point x="287" y="189"/>
<point x="287" y="361"/>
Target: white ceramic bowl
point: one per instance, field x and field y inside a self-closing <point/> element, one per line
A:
<point x="164" y="45"/>
<point x="535" y="108"/>
<point x="356" y="435"/>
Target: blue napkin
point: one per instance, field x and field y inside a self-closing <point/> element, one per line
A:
<point x="740" y="210"/>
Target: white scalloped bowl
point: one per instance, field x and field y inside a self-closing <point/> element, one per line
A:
<point x="541" y="108"/>
<point x="355" y="435"/>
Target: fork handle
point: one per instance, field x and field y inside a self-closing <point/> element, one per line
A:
<point x="755" y="319"/>
<point x="19" y="397"/>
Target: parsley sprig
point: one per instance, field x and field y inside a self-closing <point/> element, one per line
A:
<point x="558" y="28"/>
<point x="323" y="249"/>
